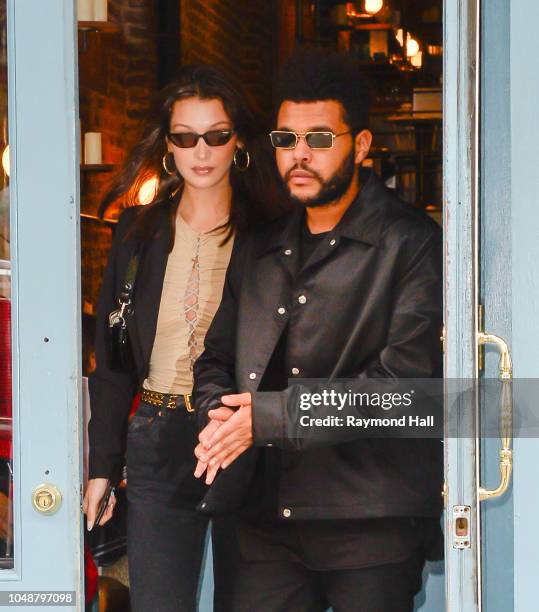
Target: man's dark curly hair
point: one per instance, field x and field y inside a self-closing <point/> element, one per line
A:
<point x="312" y="74"/>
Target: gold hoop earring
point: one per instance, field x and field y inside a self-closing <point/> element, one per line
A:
<point x="165" y="156"/>
<point x="247" y="160"/>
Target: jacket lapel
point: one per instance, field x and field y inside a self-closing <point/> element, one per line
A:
<point x="148" y="290"/>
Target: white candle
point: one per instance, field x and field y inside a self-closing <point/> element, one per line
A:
<point x="85" y="10"/>
<point x="100" y="10"/>
<point x="92" y="148"/>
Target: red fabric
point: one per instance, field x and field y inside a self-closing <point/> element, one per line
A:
<point x="5" y="377"/>
<point x="134" y="405"/>
<point x="5" y="446"/>
<point x="5" y="357"/>
<point x="90" y="575"/>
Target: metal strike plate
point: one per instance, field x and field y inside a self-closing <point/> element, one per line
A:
<point x="461" y="527"/>
<point x="46" y="498"/>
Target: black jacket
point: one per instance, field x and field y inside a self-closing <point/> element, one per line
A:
<point x="111" y="393"/>
<point x="367" y="304"/>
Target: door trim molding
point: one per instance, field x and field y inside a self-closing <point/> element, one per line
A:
<point x="461" y="158"/>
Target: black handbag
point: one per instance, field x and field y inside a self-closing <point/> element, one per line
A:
<point x="120" y="353"/>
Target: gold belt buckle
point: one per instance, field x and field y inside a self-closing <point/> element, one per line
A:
<point x="188" y="405"/>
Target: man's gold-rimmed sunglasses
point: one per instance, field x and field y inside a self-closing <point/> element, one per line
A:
<point x="282" y="139"/>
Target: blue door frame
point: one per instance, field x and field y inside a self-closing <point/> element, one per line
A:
<point x="461" y="36"/>
<point x="44" y="206"/>
<point x="491" y="221"/>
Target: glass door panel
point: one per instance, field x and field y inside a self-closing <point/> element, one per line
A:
<point x="6" y="447"/>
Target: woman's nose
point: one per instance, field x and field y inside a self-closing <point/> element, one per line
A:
<point x="202" y="150"/>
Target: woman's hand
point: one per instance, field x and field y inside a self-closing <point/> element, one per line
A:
<point x="95" y="490"/>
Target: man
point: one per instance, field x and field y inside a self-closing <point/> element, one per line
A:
<point x="347" y="286"/>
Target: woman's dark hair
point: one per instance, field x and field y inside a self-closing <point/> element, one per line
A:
<point x="311" y="74"/>
<point x="256" y="192"/>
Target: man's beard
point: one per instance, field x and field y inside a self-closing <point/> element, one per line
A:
<point x="331" y="190"/>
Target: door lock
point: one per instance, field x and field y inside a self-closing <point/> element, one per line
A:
<point x="461" y="527"/>
<point x="46" y="498"/>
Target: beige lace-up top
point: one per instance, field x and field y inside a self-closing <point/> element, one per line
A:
<point x="192" y="290"/>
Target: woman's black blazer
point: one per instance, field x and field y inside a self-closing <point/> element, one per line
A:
<point x="111" y="392"/>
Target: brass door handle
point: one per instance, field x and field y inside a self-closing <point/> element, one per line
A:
<point x="506" y="416"/>
<point x="505" y="365"/>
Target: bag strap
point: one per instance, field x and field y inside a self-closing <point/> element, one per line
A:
<point x="126" y="294"/>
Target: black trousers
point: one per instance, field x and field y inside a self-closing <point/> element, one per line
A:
<point x="165" y="535"/>
<point x="286" y="586"/>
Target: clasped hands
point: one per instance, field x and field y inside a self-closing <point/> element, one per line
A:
<point x="227" y="435"/>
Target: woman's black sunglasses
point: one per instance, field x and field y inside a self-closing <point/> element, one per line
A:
<point x="213" y="138"/>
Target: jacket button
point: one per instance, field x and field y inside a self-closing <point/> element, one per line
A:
<point x="281" y="310"/>
<point x="302" y="299"/>
<point x="287" y="513"/>
<point x="332" y="241"/>
<point x="252" y="375"/>
<point x="288" y="252"/>
<point x="203" y="504"/>
<point x="295" y="371"/>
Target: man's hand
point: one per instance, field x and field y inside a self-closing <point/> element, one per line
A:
<point x="228" y="434"/>
<point x="204" y="439"/>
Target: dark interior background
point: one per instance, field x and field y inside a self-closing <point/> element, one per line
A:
<point x="123" y="62"/>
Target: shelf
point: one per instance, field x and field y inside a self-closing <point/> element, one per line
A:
<point x="411" y="118"/>
<point x="105" y="27"/>
<point x="110" y="222"/>
<point x="97" y="167"/>
<point x="365" y="26"/>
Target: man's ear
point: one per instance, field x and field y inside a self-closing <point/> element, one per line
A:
<point x="362" y="145"/>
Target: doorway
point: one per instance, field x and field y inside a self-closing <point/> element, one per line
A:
<point x="123" y="60"/>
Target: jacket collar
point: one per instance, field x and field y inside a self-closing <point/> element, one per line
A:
<point x="363" y="220"/>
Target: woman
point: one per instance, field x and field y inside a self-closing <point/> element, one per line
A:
<point x="200" y="143"/>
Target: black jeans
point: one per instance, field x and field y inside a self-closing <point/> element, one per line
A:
<point x="284" y="586"/>
<point x="165" y="534"/>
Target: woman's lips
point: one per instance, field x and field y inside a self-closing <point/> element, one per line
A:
<point x="202" y="170"/>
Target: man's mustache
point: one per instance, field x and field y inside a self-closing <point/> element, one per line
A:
<point x="304" y="168"/>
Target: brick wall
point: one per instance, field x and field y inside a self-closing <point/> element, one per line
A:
<point x="117" y="80"/>
<point x="238" y="36"/>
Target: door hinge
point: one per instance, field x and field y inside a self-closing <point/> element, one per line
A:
<point x="442" y="338"/>
<point x="480" y="329"/>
